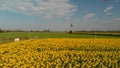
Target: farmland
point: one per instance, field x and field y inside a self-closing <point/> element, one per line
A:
<point x="59" y="50"/>
<point x="59" y="34"/>
<point x="61" y="53"/>
<point x="7" y="37"/>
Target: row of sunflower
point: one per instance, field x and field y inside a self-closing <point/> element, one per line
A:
<point x="61" y="53"/>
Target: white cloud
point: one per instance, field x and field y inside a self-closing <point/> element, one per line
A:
<point x="109" y="8"/>
<point x="95" y="19"/>
<point x="45" y="8"/>
<point x="68" y="18"/>
<point x="112" y="24"/>
<point x="48" y="17"/>
<point x="90" y="15"/>
<point x="109" y="13"/>
<point x="117" y="0"/>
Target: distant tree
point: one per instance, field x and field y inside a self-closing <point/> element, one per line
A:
<point x="70" y="32"/>
<point x="31" y="31"/>
<point x="47" y="30"/>
<point x="1" y="30"/>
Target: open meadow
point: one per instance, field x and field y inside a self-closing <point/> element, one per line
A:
<point x="6" y="37"/>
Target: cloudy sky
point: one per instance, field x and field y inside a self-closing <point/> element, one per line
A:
<point x="57" y="15"/>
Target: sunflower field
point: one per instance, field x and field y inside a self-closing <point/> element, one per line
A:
<point x="61" y="53"/>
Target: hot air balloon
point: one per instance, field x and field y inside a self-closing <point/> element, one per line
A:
<point x="71" y="25"/>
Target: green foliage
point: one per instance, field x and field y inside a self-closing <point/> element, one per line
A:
<point x="38" y="49"/>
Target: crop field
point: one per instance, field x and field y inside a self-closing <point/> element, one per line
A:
<point x="7" y="37"/>
<point x="59" y="34"/>
<point x="61" y="53"/>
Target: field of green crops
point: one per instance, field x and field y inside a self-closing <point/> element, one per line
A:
<point x="6" y="37"/>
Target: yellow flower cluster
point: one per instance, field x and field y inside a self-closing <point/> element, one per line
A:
<point x="61" y="53"/>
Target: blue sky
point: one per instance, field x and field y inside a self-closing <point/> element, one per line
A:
<point x="57" y="15"/>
